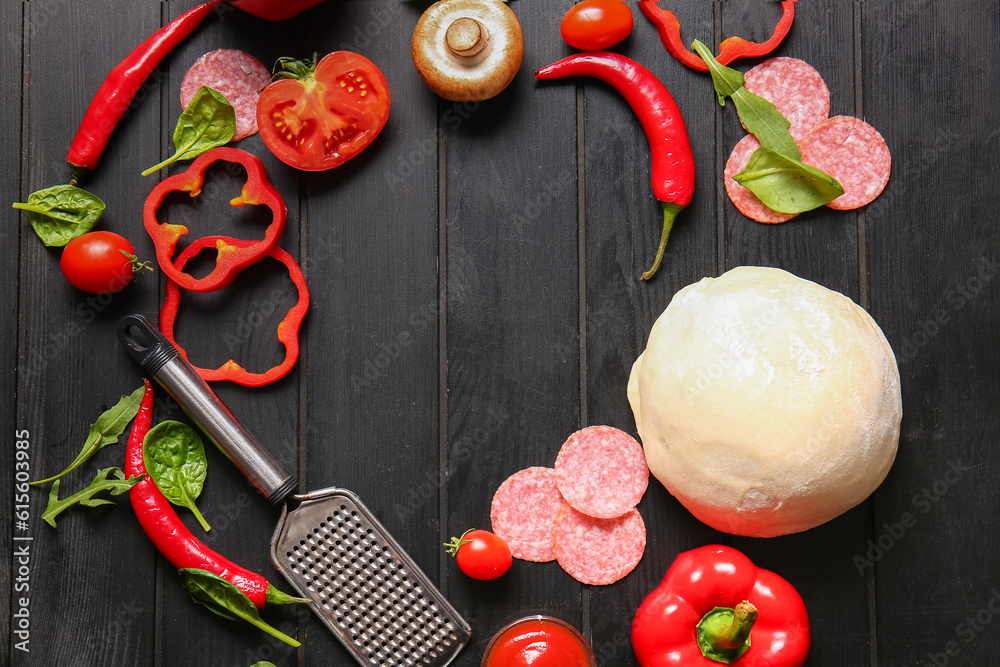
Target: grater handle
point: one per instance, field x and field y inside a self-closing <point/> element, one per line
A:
<point x="161" y="361"/>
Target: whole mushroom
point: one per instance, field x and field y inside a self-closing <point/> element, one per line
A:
<point x="468" y="50"/>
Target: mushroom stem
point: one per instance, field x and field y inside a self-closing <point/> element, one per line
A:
<point x="466" y="36"/>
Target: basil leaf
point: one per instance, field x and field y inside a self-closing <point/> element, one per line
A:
<point x="175" y="459"/>
<point x="224" y="599"/>
<point x="209" y="121"/>
<point x="116" y="486"/>
<point x="105" y="431"/>
<point x="61" y="213"/>
<point x="761" y="118"/>
<point x="785" y="185"/>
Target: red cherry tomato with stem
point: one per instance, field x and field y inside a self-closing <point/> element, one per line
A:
<point x="480" y="554"/>
<point x="322" y="114"/>
<point x="594" y="25"/>
<point x="100" y="262"/>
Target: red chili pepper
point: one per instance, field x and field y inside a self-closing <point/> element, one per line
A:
<point x="232" y="258"/>
<point x="672" y="160"/>
<point x="288" y="328"/>
<point x="714" y="606"/>
<point x="169" y="534"/>
<point x="121" y="85"/>
<point x="732" y="48"/>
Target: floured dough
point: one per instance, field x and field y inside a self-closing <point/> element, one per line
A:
<point x="766" y="404"/>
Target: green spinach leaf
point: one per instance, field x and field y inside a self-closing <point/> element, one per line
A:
<point x="786" y="185"/>
<point x="116" y="485"/>
<point x="175" y="459"/>
<point x="209" y="121"/>
<point x="105" y="431"/>
<point x="224" y="599"/>
<point x="761" y="118"/>
<point x="61" y="213"/>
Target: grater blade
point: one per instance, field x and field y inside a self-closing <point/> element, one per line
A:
<point x="362" y="584"/>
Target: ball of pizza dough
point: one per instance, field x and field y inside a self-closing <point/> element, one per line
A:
<point x="766" y="404"/>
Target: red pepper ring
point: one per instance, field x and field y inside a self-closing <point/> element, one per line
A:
<point x="235" y="256"/>
<point x="732" y="48"/>
<point x="288" y="328"/>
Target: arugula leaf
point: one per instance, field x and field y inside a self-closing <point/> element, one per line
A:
<point x="786" y="185"/>
<point x="761" y="118"/>
<point x="175" y="459"/>
<point x="116" y="486"/>
<point x="224" y="599"/>
<point x="105" y="431"/>
<point x="61" y="213"/>
<point x="209" y="121"/>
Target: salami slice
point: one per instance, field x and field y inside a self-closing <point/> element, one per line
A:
<point x="523" y="510"/>
<point x="795" y="88"/>
<point x="601" y="472"/>
<point x="853" y="152"/>
<point x="238" y="76"/>
<point x="598" y="551"/>
<point x="745" y="201"/>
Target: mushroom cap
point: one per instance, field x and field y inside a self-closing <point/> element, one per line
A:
<point x="468" y="78"/>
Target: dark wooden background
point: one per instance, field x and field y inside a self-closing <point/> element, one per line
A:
<point x="475" y="299"/>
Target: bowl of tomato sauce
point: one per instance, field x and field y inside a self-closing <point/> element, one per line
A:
<point x="539" y="641"/>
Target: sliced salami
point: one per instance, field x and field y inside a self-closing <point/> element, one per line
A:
<point x="601" y="472"/>
<point x="745" y="201"/>
<point x="523" y="510"/>
<point x="237" y="75"/>
<point x="598" y="551"/>
<point x="795" y="88"/>
<point x="853" y="152"/>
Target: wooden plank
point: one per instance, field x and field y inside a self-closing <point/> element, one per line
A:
<point x="372" y="253"/>
<point x="70" y="364"/>
<point x="237" y="323"/>
<point x="933" y="257"/>
<point x="822" y="246"/>
<point x="622" y="222"/>
<point x="512" y="312"/>
<point x="12" y="517"/>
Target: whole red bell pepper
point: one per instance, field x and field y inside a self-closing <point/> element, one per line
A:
<point x="715" y="606"/>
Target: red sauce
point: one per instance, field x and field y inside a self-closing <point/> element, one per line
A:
<point x="539" y="642"/>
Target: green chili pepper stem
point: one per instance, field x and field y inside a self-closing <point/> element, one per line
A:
<point x="670" y="211"/>
<point x="276" y="596"/>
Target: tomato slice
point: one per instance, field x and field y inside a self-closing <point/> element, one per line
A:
<point x="323" y="114"/>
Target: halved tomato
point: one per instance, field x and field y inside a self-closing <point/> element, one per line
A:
<point x="322" y="114"/>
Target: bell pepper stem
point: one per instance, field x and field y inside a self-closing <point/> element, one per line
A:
<point x="670" y="211"/>
<point x="744" y="616"/>
<point x="724" y="633"/>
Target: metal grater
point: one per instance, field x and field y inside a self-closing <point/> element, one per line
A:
<point x="331" y="548"/>
<point x="372" y="595"/>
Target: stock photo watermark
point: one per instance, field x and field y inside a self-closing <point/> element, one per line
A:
<point x="461" y="450"/>
<point x="22" y="548"/>
<point x="922" y="501"/>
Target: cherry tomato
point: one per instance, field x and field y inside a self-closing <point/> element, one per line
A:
<point x="480" y="554"/>
<point x="99" y="262"/>
<point x="323" y="114"/>
<point x="593" y="25"/>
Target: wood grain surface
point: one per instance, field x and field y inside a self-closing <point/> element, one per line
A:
<point x="475" y="299"/>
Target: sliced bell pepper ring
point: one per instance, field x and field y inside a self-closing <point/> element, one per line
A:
<point x="732" y="48"/>
<point x="232" y="258"/>
<point x="288" y="328"/>
<point x="715" y="606"/>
